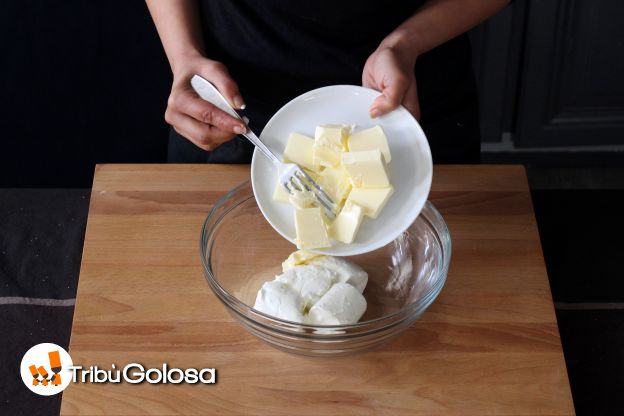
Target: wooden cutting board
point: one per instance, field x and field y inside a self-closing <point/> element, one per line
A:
<point x="489" y="345"/>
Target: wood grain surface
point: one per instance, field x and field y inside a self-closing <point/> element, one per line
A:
<point x="489" y="345"/>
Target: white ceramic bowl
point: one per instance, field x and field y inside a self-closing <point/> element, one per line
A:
<point x="410" y="170"/>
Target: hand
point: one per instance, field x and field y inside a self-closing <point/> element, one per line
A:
<point x="196" y="119"/>
<point x="391" y="72"/>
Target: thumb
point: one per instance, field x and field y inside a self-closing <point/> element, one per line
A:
<point x="391" y="97"/>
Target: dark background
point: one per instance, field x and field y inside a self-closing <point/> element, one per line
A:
<point x="82" y="82"/>
<point x="550" y="79"/>
<point x="86" y="82"/>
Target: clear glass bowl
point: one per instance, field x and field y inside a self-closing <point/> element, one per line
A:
<point x="240" y="251"/>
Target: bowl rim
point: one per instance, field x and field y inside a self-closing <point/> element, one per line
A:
<point x="238" y="306"/>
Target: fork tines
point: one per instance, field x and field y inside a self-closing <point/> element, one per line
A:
<point x="299" y="180"/>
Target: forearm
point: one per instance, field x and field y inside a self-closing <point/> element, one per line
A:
<point x="179" y="28"/>
<point x="439" y="21"/>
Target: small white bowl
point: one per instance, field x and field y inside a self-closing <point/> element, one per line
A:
<point x="410" y="169"/>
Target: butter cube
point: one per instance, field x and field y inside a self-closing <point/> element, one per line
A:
<point x="313" y="173"/>
<point x="280" y="194"/>
<point x="298" y="258"/>
<point x="300" y="150"/>
<point x="372" y="201"/>
<point x="330" y="141"/>
<point x="369" y="139"/>
<point x="310" y="228"/>
<point x="335" y="182"/>
<point x="366" y="169"/>
<point x="347" y="223"/>
<point x="302" y="199"/>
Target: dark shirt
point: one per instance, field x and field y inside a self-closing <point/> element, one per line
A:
<point x="278" y="49"/>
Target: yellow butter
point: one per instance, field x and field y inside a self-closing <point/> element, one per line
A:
<point x="313" y="173"/>
<point x="372" y="201"/>
<point x="298" y="258"/>
<point x="347" y="223"/>
<point x="335" y="182"/>
<point x="302" y="199"/>
<point x="280" y="194"/>
<point x="310" y="228"/>
<point x="300" y="150"/>
<point x="366" y="169"/>
<point x="369" y="139"/>
<point x="330" y="141"/>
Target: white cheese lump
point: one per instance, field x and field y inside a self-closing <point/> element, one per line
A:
<point x="315" y="289"/>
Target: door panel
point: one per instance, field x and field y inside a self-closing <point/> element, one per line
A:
<point x="571" y="91"/>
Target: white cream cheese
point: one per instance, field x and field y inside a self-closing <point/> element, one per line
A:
<point x="342" y="304"/>
<point x="310" y="282"/>
<point x="279" y="300"/>
<point x="315" y="289"/>
<point x="346" y="271"/>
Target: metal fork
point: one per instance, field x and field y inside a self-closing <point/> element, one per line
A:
<point x="291" y="176"/>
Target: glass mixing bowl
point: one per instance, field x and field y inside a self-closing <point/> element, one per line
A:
<point x="240" y="251"/>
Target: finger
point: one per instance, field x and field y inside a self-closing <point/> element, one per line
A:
<point x="202" y="135"/>
<point x="410" y="101"/>
<point x="189" y="103"/>
<point x="391" y="97"/>
<point x="218" y="74"/>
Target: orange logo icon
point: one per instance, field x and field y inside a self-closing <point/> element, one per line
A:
<point x="55" y="366"/>
<point x="41" y="378"/>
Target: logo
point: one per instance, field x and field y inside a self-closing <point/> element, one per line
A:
<point x="46" y="369"/>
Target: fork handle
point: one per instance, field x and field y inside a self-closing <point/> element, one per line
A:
<point x="250" y="135"/>
<point x="206" y="90"/>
